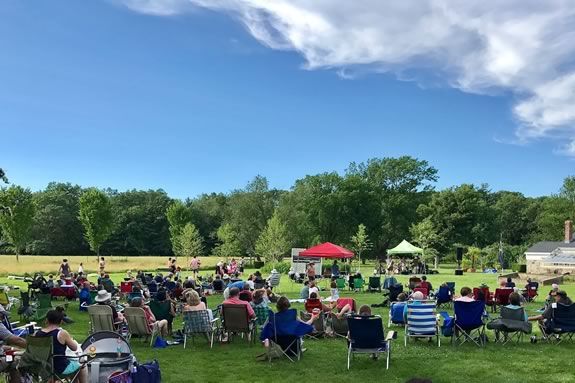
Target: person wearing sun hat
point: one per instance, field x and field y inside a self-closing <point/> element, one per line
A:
<point x="105" y="298"/>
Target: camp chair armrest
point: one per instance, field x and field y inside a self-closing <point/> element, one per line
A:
<point x="390" y="336"/>
<point x="214" y="320"/>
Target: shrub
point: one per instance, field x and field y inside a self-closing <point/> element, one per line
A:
<point x="281" y="267"/>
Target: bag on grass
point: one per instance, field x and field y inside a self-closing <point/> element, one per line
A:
<point x="160" y="342"/>
<point x="148" y="372"/>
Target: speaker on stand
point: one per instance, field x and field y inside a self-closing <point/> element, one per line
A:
<point x="459" y="254"/>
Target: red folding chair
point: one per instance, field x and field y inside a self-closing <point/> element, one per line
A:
<point x="125" y="288"/>
<point x="346" y="301"/>
<point x="501" y="298"/>
<point x="422" y="290"/>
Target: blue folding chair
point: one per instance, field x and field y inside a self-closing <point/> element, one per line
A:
<point x="444" y="296"/>
<point x="469" y="324"/>
<point x="284" y="330"/>
<point x="451" y="286"/>
<point x="422" y="321"/>
<point x="366" y="337"/>
<point x="396" y="314"/>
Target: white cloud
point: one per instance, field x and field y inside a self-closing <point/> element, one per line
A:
<point x="526" y="47"/>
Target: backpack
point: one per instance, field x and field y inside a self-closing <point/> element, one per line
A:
<point x="148" y="372"/>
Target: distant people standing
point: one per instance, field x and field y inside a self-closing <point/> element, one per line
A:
<point x="310" y="271"/>
<point x="64" y="268"/>
<point x="169" y="264"/>
<point x="81" y="268"/>
<point x="102" y="264"/>
<point x="195" y="265"/>
<point x="335" y="269"/>
<point x="242" y="264"/>
<point x="173" y="267"/>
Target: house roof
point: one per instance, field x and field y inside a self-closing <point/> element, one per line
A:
<point x="548" y="246"/>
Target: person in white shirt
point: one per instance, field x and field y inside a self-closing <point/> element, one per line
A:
<point x="81" y="268"/>
<point x="313" y="289"/>
<point x="466" y="295"/>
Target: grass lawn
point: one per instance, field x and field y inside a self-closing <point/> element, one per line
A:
<point x="325" y="359"/>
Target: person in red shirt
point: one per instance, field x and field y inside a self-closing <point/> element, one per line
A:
<point x="424" y="284"/>
<point x="235" y="300"/>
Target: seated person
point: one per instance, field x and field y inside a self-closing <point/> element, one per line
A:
<point x="424" y="284"/>
<point x="313" y="302"/>
<point x="515" y="303"/>
<point x="7" y="338"/>
<point x="365" y="311"/>
<point x="397" y="308"/>
<point x="551" y="297"/>
<point x="270" y="296"/>
<point x="466" y="295"/>
<point x="218" y="284"/>
<point x="105" y="298"/>
<point x="560" y="297"/>
<point x="417" y="297"/>
<point x="245" y="293"/>
<point x="60" y="340"/>
<point x="150" y="318"/>
<point x="304" y="293"/>
<point x="235" y="300"/>
<point x="251" y="283"/>
<point x="260" y="306"/>
<point x="509" y="284"/>
<point x="334" y="290"/>
<point x="189" y="283"/>
<point x="50" y="282"/>
<point x="282" y="306"/>
<point x="313" y="289"/>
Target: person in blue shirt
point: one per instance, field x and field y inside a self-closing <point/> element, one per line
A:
<point x="335" y="269"/>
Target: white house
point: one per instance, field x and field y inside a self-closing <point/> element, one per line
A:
<point x="553" y="257"/>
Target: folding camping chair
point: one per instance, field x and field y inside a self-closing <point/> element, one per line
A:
<point x="284" y="333"/>
<point x="469" y="325"/>
<point x="511" y="325"/>
<point x="451" y="286"/>
<point x="198" y="322"/>
<point x="561" y="325"/>
<point x="444" y="296"/>
<point x="501" y="298"/>
<point x="422" y="321"/>
<point x="414" y="282"/>
<point x="394" y="291"/>
<point x="396" y="314"/>
<point x="339" y="326"/>
<point x="138" y="324"/>
<point x="5" y="300"/>
<point x="102" y="319"/>
<point x="319" y="324"/>
<point x="346" y="301"/>
<point x="235" y="320"/>
<point x="43" y="305"/>
<point x="366" y="337"/>
<point x="340" y="282"/>
<point x="531" y="292"/>
<point x="38" y="360"/>
<point x="374" y="284"/>
<point x="152" y="289"/>
<point x="125" y="288"/>
<point x="483" y="294"/>
<point x="358" y="284"/>
<point x="261" y="314"/>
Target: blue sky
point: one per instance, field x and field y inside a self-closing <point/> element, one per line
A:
<point x="95" y="93"/>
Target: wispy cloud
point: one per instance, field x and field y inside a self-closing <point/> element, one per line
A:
<point x="526" y="47"/>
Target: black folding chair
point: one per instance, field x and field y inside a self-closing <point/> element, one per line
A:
<point x="511" y="325"/>
<point x="374" y="284"/>
<point x="561" y="325"/>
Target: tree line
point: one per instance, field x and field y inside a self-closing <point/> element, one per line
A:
<point x="382" y="200"/>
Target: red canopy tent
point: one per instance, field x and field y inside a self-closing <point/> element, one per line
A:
<point x="327" y="250"/>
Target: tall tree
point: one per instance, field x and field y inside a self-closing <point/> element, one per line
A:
<point x="515" y="217"/>
<point x="3" y="177"/>
<point x="568" y="192"/>
<point x="178" y="216"/>
<point x="57" y="228"/>
<point x="273" y="243"/>
<point x="428" y="238"/>
<point x="401" y="185"/>
<point x="553" y="212"/>
<point x="207" y="214"/>
<point x="95" y="213"/>
<point x="16" y="216"/>
<point x="191" y="243"/>
<point x="462" y="215"/>
<point x="249" y="210"/>
<point x="229" y="245"/>
<point x="140" y="223"/>
<point x="360" y="242"/>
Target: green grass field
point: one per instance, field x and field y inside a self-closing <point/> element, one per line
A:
<point x="325" y="359"/>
